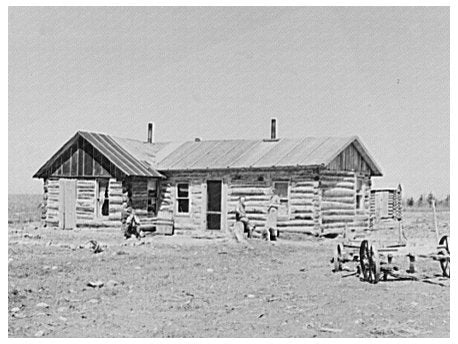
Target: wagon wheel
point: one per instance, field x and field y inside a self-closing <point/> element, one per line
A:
<point x="364" y="259"/>
<point x="445" y="264"/>
<point x="374" y="271"/>
<point x="338" y="258"/>
<point x="370" y="262"/>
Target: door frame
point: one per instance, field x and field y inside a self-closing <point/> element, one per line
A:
<point x="223" y="215"/>
<point x="98" y="207"/>
<point x="64" y="207"/>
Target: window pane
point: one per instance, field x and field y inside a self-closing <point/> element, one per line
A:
<point x="183" y="190"/>
<point x="183" y="206"/>
<point x="281" y="189"/>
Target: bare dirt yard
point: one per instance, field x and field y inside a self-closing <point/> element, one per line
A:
<point x="199" y="287"/>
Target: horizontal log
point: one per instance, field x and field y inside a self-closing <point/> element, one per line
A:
<point x="114" y="216"/>
<point x="295" y="223"/>
<point x="80" y="217"/>
<point x="247" y="191"/>
<point x="261" y="217"/>
<point x="85" y="209"/>
<point x="340" y="185"/>
<point x="340" y="226"/>
<point x="336" y="192"/>
<point x="85" y="194"/>
<point x="116" y="199"/>
<point x="295" y="202"/>
<point x="302" y="189"/>
<point x="98" y="224"/>
<point x="302" y="217"/>
<point x="339" y="199"/>
<point x="116" y="206"/>
<point x="338" y="212"/>
<point x="302" y="208"/>
<point x="311" y="184"/>
<point x="336" y="219"/>
<point x="249" y="185"/>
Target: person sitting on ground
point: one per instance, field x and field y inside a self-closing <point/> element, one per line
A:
<point x="240" y="215"/>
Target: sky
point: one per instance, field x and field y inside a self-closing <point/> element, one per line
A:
<point x="381" y="73"/>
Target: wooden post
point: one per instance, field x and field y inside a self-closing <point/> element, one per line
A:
<point x="411" y="263"/>
<point x="435" y="220"/>
<point x="400" y="231"/>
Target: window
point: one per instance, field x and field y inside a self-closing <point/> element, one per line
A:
<point x="281" y="190"/>
<point x="152" y="197"/>
<point x="359" y="194"/>
<point x="183" y="198"/>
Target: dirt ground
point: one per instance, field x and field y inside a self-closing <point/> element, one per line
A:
<point x="199" y="287"/>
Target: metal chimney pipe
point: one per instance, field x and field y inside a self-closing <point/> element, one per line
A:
<point x="151" y="132"/>
<point x="273" y="128"/>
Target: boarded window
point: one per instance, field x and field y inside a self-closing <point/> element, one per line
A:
<point x="183" y="197"/>
<point x="281" y="190"/>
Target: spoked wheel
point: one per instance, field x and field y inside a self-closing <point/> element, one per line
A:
<point x="374" y="266"/>
<point x="338" y="258"/>
<point x="445" y="263"/>
<point x="370" y="262"/>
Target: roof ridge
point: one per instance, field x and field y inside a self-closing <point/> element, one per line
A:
<point x="220" y="140"/>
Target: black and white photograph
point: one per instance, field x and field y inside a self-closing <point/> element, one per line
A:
<point x="228" y="172"/>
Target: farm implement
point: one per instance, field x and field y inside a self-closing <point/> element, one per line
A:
<point x="373" y="260"/>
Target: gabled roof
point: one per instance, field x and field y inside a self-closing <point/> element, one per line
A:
<point x="112" y="150"/>
<point x="135" y="157"/>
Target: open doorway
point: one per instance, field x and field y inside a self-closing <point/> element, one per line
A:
<point x="103" y="202"/>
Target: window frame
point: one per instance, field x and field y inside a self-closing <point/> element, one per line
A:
<point x="177" y="198"/>
<point x="98" y="205"/>
<point x="359" y="194"/>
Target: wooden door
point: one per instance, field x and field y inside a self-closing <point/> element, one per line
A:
<point x="381" y="205"/>
<point x="214" y="192"/>
<point x="67" y="203"/>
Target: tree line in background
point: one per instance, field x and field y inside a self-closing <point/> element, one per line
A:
<point x="426" y="201"/>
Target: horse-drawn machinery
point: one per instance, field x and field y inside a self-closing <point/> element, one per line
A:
<point x="374" y="258"/>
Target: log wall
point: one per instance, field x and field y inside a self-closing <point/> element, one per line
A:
<point x="167" y="205"/>
<point x="319" y="201"/>
<point x="338" y="205"/>
<point x="85" y="200"/>
<point x="52" y="205"/>
<point x="337" y="200"/>
<point x="362" y="218"/>
<point x="257" y="187"/>
<point x="394" y="204"/>
<point x="115" y="200"/>
<point x="85" y="203"/>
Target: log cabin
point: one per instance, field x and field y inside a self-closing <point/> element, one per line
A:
<point x="386" y="204"/>
<point x="324" y="184"/>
